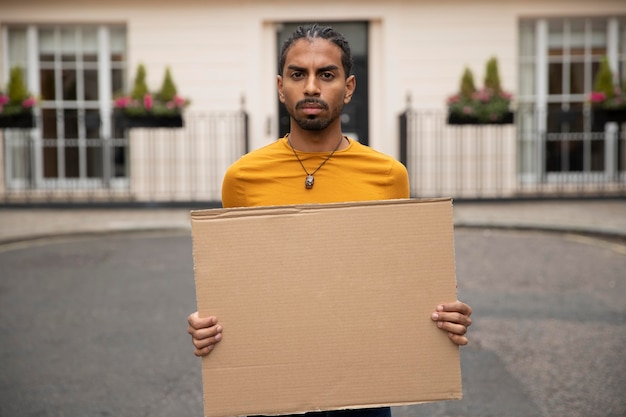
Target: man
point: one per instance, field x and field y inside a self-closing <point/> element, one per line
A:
<point x="315" y="163"/>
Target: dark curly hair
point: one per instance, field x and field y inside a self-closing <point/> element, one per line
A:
<point x="313" y="31"/>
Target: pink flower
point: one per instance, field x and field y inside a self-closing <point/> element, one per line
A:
<point x="597" y="97"/>
<point x="148" y="102"/>
<point x="4" y="99"/>
<point x="505" y="95"/>
<point x="179" y="101"/>
<point x="453" y="99"/>
<point x="467" y="110"/>
<point x="122" y="102"/>
<point x="29" y="102"/>
<point x="483" y="95"/>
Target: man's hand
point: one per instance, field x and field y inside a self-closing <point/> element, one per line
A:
<point x="205" y="333"/>
<point x="455" y="319"/>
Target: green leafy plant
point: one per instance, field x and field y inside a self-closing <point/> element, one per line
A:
<point x="140" y="102"/>
<point x="492" y="76"/>
<point x="606" y="94"/>
<point x="140" y="87"/>
<point x="468" y="86"/>
<point x="490" y="104"/>
<point x="168" y="88"/>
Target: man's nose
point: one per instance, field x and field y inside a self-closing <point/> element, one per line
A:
<point x="312" y="88"/>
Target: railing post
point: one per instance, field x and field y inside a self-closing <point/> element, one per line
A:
<point x="403" y="119"/>
<point x="610" y="151"/>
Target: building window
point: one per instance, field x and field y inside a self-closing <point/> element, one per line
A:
<point x="559" y="60"/>
<point x="75" y="70"/>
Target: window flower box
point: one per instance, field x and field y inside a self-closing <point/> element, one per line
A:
<point x="16" y="105"/>
<point x="126" y="120"/>
<point x="608" y="99"/>
<point x="21" y="120"/>
<point x="457" y="118"/>
<point x="142" y="109"/>
<point x="489" y="105"/>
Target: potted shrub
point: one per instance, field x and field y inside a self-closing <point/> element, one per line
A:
<point x="608" y="100"/>
<point x="144" y="109"/>
<point x="16" y="105"/>
<point x="489" y="105"/>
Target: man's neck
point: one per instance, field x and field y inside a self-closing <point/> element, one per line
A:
<point x="317" y="141"/>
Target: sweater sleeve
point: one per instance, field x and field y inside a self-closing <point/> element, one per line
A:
<point x="399" y="187"/>
<point x="232" y="189"/>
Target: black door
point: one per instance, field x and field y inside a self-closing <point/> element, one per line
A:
<point x="354" y="119"/>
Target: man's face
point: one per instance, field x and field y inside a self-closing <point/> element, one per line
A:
<point x="314" y="87"/>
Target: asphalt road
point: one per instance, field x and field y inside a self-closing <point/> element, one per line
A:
<point x="97" y="327"/>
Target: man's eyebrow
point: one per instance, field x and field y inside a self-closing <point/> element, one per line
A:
<point x="331" y="67"/>
<point x="295" y="68"/>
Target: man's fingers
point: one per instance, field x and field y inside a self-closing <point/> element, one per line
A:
<point x="204" y="337"/>
<point x="457" y="306"/>
<point x="197" y="322"/>
<point x="459" y="340"/>
<point x="205" y="333"/>
<point x="457" y="329"/>
<point x="204" y="351"/>
<point x="453" y="318"/>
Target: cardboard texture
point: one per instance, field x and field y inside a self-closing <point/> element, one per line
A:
<point x="326" y="307"/>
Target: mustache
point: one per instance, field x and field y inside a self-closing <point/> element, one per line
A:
<point x="316" y="101"/>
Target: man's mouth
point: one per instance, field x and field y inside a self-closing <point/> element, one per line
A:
<point x="311" y="107"/>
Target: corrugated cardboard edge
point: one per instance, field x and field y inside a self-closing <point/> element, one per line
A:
<point x="218" y="214"/>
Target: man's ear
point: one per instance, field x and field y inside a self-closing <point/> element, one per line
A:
<point x="279" y="85"/>
<point x="350" y="87"/>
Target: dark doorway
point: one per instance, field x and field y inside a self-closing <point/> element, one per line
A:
<point x="355" y="116"/>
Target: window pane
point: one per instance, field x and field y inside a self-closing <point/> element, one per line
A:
<point x="50" y="161"/>
<point x="68" y="45"/>
<point x="597" y="155"/>
<point x="17" y="48"/>
<point x="49" y="123"/>
<point x="555" y="34"/>
<point x="46" y="42"/>
<point x="94" y="159"/>
<point x="91" y="84"/>
<point x="595" y="67"/>
<point x="92" y="124"/>
<point x="71" y="124"/>
<point x="118" y="42"/>
<point x="119" y="162"/>
<point x="89" y="41"/>
<point x="527" y="79"/>
<point x="577" y="78"/>
<point x="69" y="84"/>
<point x="117" y="82"/>
<point x="527" y="39"/>
<point x="71" y="161"/>
<point x="555" y="78"/>
<point x="47" y="84"/>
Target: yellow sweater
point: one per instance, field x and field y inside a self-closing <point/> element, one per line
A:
<point x="272" y="176"/>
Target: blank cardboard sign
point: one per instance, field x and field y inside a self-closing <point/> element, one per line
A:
<point x="326" y="306"/>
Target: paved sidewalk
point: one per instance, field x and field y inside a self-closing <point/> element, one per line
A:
<point x="606" y="217"/>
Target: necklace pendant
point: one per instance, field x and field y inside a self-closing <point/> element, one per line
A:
<point x="308" y="183"/>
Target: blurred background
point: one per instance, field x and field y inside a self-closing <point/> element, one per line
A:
<point x="549" y="112"/>
<point x="117" y="117"/>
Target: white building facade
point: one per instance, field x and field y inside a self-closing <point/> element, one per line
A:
<point x="223" y="57"/>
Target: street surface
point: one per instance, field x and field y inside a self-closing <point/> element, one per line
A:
<point x="97" y="327"/>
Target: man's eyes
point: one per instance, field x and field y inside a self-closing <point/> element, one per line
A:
<point x="327" y="76"/>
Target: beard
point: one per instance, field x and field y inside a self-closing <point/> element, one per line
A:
<point x="314" y="123"/>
